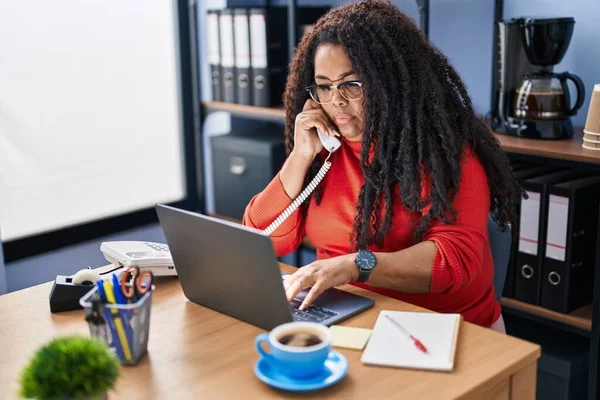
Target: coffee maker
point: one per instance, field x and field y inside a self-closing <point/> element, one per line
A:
<point x="530" y="100"/>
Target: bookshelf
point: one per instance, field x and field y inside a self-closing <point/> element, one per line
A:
<point x="240" y="110"/>
<point x="578" y="321"/>
<point x="568" y="150"/>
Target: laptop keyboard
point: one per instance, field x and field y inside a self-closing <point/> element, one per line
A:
<point x="310" y="314"/>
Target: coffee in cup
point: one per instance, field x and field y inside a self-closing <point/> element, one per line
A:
<point x="299" y="349"/>
<point x="300" y="339"/>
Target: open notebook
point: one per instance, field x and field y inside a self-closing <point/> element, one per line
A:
<point x="388" y="346"/>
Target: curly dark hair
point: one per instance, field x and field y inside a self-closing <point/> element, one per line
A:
<point x="418" y="116"/>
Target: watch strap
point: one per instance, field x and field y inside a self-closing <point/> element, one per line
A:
<point x="363" y="274"/>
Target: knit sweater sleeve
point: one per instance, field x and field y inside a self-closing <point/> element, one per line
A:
<point x="267" y="205"/>
<point x="460" y="246"/>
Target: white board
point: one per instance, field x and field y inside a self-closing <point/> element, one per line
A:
<point x="90" y="123"/>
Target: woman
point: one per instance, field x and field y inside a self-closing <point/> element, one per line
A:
<point x="404" y="208"/>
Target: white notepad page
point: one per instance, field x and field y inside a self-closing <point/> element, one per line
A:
<point x="388" y="346"/>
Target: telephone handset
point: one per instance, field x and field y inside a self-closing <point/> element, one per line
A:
<point x="331" y="144"/>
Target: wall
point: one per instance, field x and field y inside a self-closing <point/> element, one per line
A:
<point x="463" y="31"/>
<point x="583" y="56"/>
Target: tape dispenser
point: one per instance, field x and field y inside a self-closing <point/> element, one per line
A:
<point x="67" y="290"/>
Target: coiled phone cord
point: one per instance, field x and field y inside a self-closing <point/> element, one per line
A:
<point x="301" y="197"/>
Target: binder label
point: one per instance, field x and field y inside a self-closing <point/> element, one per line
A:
<point x="226" y="28"/>
<point x="258" y="41"/>
<point x="529" y="225"/>
<point x="242" y="41"/>
<point x="212" y="27"/>
<point x="558" y="216"/>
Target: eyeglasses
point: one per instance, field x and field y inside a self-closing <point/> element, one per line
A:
<point x="323" y="94"/>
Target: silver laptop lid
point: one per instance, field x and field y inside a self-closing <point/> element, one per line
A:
<point x="225" y="266"/>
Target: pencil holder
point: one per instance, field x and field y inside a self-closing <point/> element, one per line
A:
<point x="124" y="327"/>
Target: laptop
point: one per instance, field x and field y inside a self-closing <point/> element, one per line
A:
<point x="233" y="269"/>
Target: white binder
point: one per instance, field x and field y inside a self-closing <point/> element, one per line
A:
<point x="227" y="55"/>
<point x="214" y="53"/>
<point x="243" y="77"/>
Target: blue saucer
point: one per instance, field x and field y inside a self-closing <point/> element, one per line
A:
<point x="335" y="368"/>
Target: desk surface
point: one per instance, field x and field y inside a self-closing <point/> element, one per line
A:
<point x="196" y="352"/>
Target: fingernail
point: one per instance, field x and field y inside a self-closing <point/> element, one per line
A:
<point x="301" y="308"/>
<point x="337" y="133"/>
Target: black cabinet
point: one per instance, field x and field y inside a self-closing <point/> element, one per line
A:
<point x="243" y="164"/>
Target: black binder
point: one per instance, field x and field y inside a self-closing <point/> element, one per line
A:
<point x="268" y="54"/>
<point x="214" y="53"/>
<point x="269" y="50"/>
<point x="243" y="77"/>
<point x="520" y="174"/>
<point x="568" y="268"/>
<point x="226" y="40"/>
<point x="532" y="234"/>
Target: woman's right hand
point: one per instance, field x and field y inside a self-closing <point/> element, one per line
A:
<point x="306" y="141"/>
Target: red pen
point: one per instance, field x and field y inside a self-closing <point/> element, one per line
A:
<point x="416" y="341"/>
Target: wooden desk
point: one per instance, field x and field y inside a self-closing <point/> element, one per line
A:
<point x="195" y="352"/>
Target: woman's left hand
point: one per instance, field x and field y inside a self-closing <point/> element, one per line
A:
<point x="320" y="276"/>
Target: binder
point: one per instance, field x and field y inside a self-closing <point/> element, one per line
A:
<point x="214" y="53"/>
<point x="269" y="50"/>
<point x="268" y="55"/>
<point x="568" y="268"/>
<point x="243" y="77"/>
<point x="521" y="174"/>
<point x="532" y="234"/>
<point x="227" y="54"/>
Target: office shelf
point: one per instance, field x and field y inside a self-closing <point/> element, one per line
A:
<point x="240" y="110"/>
<point x="567" y="150"/>
<point x="556" y="150"/>
<point x="578" y="321"/>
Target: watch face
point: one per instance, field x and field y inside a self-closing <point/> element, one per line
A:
<point x="365" y="259"/>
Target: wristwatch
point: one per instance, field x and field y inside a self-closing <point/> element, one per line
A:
<point x="365" y="261"/>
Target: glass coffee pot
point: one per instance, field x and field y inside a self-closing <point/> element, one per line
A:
<point x="544" y="96"/>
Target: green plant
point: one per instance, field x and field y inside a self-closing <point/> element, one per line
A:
<point x="72" y="367"/>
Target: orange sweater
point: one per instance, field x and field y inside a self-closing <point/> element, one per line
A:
<point x="463" y="268"/>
